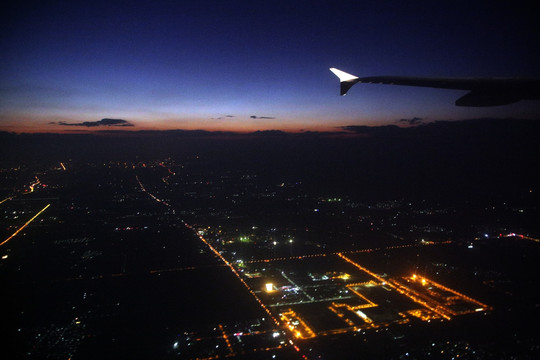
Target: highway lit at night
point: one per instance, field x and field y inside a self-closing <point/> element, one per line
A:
<point x="25" y="225"/>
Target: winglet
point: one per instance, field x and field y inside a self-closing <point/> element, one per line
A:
<point x="346" y="80"/>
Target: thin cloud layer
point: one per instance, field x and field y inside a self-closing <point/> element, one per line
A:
<point x="261" y="117"/>
<point x="102" y="122"/>
<point x="413" y="121"/>
<point x="223" y="117"/>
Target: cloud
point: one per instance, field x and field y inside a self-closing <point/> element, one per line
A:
<point x="223" y="117"/>
<point x="364" y="130"/>
<point x="102" y="122"/>
<point x="413" y="121"/>
<point x="261" y="117"/>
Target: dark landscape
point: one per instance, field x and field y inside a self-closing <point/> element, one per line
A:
<point x="364" y="243"/>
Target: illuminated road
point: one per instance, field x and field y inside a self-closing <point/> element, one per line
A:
<point x="6" y="199"/>
<point x="398" y="287"/>
<point x="217" y="253"/>
<point x="337" y="298"/>
<point x="346" y="252"/>
<point x="150" y="194"/>
<point x="25" y="225"/>
<point x="32" y="186"/>
<point x="298" y="287"/>
<point x="530" y="238"/>
<point x="227" y="341"/>
<point x="521" y="237"/>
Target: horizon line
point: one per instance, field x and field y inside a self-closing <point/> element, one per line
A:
<point x="340" y="130"/>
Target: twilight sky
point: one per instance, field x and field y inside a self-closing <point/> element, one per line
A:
<point x="251" y="65"/>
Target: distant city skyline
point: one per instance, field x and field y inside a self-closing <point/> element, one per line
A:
<point x="243" y="66"/>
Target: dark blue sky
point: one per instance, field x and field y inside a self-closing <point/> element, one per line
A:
<point x="249" y="65"/>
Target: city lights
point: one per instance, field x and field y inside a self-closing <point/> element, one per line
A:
<point x="359" y="271"/>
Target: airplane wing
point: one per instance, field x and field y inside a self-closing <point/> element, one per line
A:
<point x="483" y="91"/>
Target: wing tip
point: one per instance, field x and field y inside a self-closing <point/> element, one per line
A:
<point x="346" y="80"/>
<point x="343" y="76"/>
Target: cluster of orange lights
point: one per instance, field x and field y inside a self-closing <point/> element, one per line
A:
<point x="414" y="277"/>
<point x="299" y="329"/>
<point x="456" y="296"/>
<point x="296" y="325"/>
<point x="422" y="299"/>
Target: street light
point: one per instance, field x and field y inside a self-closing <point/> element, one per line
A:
<point x="290" y="243"/>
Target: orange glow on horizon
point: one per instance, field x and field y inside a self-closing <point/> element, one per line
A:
<point x="241" y="125"/>
<point x="108" y="129"/>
